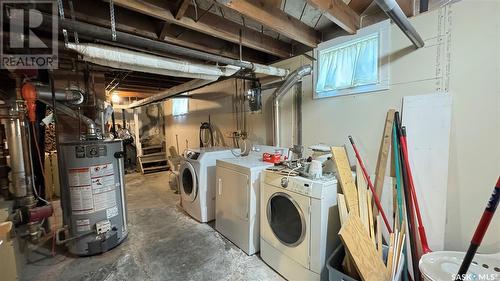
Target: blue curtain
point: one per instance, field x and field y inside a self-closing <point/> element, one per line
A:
<point x="349" y="65"/>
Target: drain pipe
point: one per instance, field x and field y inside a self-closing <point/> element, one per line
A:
<point x="392" y="9"/>
<point x="291" y="80"/>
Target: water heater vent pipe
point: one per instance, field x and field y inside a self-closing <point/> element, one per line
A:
<point x="291" y="80"/>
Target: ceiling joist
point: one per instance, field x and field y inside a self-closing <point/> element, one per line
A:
<point x="338" y="12"/>
<point x="274" y="18"/>
<point x="212" y="25"/>
<point x="141" y="26"/>
<point x="181" y="10"/>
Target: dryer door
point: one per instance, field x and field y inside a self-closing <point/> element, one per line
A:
<point x="189" y="182"/>
<point x="285" y="223"/>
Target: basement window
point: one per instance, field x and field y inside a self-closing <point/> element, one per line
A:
<point x="353" y="64"/>
<point x="179" y="106"/>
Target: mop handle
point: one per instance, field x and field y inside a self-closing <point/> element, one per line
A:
<point x="375" y="197"/>
<point x="480" y="231"/>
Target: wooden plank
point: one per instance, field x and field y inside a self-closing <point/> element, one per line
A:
<point x="359" y="6"/>
<point x="383" y="154"/>
<point x="408" y="7"/>
<point x="164" y="31"/>
<point x="274" y="18"/>
<point x="390" y="253"/>
<point x="361" y="249"/>
<point x="338" y="12"/>
<point x="344" y="176"/>
<point x="212" y="25"/>
<point x="363" y="205"/>
<point x="182" y="9"/>
<point x="370" y="218"/>
<point x="379" y="236"/>
<point x="343" y="213"/>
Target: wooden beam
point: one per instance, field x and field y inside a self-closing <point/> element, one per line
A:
<point x="276" y="19"/>
<point x="338" y="12"/>
<point x="408" y="7"/>
<point x="212" y="25"/>
<point x="359" y="6"/>
<point x="164" y="31"/>
<point x="127" y="94"/>
<point x="182" y="9"/>
<point x="141" y="25"/>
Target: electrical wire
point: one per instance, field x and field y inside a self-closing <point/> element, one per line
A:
<point x="35" y="191"/>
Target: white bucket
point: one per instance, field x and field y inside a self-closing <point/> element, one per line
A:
<point x="444" y="265"/>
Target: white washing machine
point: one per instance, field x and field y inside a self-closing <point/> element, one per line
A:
<point x="197" y="180"/>
<point x="238" y="196"/>
<point x="299" y="224"/>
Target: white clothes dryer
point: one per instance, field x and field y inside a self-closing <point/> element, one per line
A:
<point x="197" y="180"/>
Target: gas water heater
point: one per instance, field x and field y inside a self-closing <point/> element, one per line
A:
<point x="91" y="172"/>
<point x="93" y="195"/>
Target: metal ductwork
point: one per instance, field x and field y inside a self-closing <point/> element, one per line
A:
<point x="44" y="94"/>
<point x="73" y="96"/>
<point x="290" y="81"/>
<point x="89" y="123"/>
<point x="102" y="33"/>
<point x="392" y="9"/>
<point x="137" y="61"/>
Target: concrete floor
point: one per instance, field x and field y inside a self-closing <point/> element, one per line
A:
<point x="164" y="243"/>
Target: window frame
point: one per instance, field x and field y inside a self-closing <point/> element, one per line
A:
<point x="174" y="104"/>
<point x="383" y="30"/>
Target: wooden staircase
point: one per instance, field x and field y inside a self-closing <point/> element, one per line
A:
<point x="154" y="159"/>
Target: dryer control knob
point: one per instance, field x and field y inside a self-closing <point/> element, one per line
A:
<point x="284" y="182"/>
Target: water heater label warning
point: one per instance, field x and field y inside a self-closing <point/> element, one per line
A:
<point x="80" y="191"/>
<point x="92" y="188"/>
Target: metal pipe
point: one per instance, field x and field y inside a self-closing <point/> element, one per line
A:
<point x="291" y="80"/>
<point x="75" y="96"/>
<point x="89" y="123"/>
<point x="394" y="12"/>
<point x="97" y="32"/>
<point x="126" y="59"/>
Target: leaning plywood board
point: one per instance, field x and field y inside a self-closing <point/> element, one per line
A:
<point x="363" y="207"/>
<point x="383" y="154"/>
<point x="345" y="178"/>
<point x="342" y="208"/>
<point x="362" y="251"/>
<point x="428" y="122"/>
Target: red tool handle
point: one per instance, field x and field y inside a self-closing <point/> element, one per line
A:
<point x="370" y="184"/>
<point x="480" y="231"/>
<point x="421" y="229"/>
